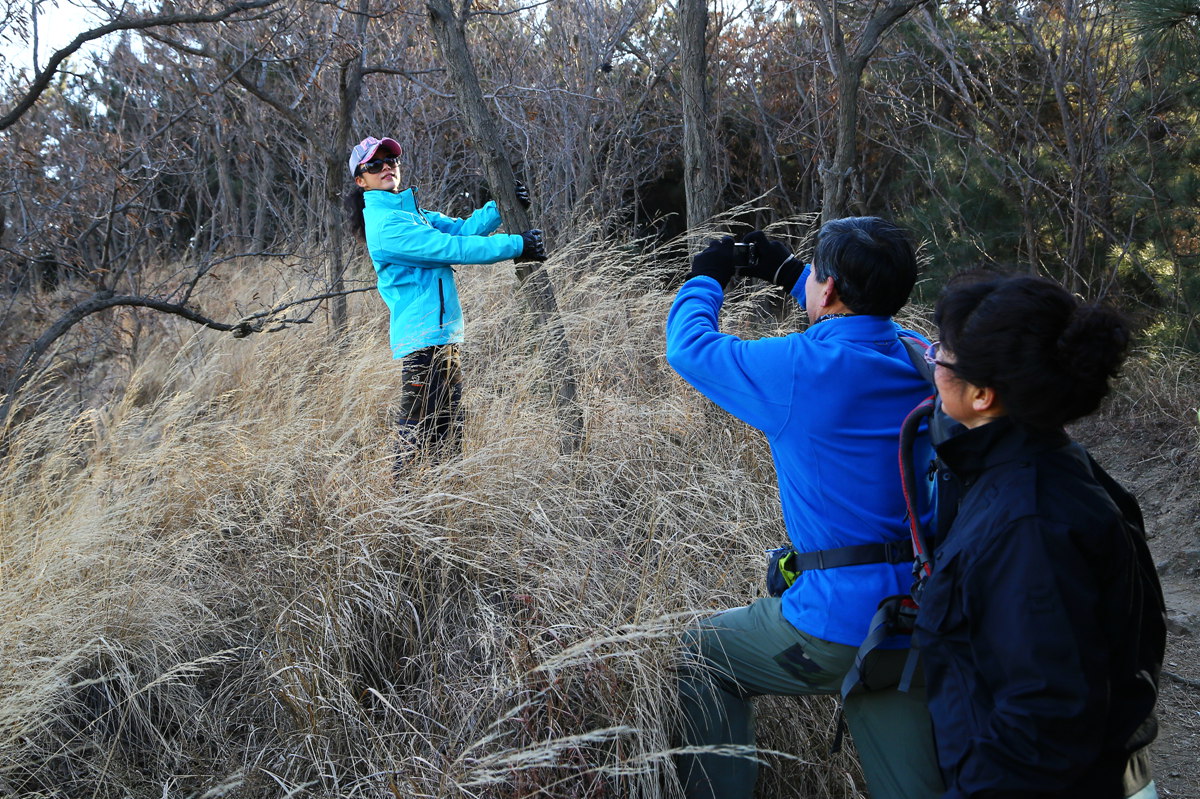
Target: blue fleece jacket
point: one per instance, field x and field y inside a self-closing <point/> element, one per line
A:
<point x="414" y="250"/>
<point x="830" y="401"/>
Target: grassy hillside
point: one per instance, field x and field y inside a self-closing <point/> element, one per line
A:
<point x="210" y="585"/>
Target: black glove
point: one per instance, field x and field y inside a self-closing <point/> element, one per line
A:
<point x="774" y="261"/>
<point x="717" y="261"/>
<point x="534" y="248"/>
<point x="522" y="194"/>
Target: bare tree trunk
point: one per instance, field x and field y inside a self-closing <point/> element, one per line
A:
<point x="699" y="152"/>
<point x="225" y="203"/>
<point x="349" y="91"/>
<point x="836" y="175"/>
<point x="537" y="290"/>
<point x="267" y="170"/>
<point x="334" y="268"/>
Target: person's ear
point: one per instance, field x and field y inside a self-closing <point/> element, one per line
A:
<point x="984" y="400"/>
<point x="360" y="181"/>
<point x="829" y="293"/>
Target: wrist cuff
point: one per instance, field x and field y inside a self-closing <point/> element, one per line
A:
<point x="788" y="273"/>
<point x="722" y="280"/>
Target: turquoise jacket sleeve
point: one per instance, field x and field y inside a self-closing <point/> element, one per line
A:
<point x="425" y="246"/>
<point x="481" y="222"/>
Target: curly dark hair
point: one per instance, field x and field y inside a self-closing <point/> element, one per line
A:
<point x="1049" y="356"/>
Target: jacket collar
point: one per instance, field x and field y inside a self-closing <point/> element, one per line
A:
<point x="856" y="327"/>
<point x="972" y="452"/>
<point x="396" y="201"/>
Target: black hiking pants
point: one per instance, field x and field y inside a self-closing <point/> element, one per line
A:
<point x="430" y="416"/>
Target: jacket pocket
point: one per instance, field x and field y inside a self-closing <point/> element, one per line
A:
<point x="441" y="304"/>
<point x="942" y="602"/>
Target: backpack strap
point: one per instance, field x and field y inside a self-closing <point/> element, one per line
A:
<point x="896" y="614"/>
<point x="1149" y="622"/>
<point x="916" y="353"/>
<point x="908" y="485"/>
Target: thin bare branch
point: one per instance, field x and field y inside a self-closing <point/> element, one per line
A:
<point x="43" y="78"/>
<point x="102" y="301"/>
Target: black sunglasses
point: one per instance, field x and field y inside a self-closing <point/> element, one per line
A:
<point x="376" y="166"/>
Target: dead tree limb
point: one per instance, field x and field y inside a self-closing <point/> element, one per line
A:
<point x="849" y="66"/>
<point x="27" y="366"/>
<point x="42" y="80"/>
<point x="1181" y="679"/>
<point x="537" y="290"/>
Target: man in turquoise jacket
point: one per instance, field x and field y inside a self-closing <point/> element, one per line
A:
<point x="414" y="251"/>
<point x="830" y="401"/>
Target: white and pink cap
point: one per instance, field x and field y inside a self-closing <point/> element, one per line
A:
<point x="366" y="150"/>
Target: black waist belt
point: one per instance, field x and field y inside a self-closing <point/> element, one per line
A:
<point x="891" y="552"/>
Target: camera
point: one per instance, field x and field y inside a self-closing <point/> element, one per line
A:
<point x="744" y="254"/>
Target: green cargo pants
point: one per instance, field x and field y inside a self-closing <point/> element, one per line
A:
<point x="754" y="651"/>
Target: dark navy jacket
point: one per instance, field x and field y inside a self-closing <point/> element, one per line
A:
<point x="1037" y="631"/>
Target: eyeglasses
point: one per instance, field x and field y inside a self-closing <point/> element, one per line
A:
<point x="931" y="357"/>
<point x="376" y="166"/>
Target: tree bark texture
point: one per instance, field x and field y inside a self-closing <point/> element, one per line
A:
<point x="349" y="92"/>
<point x="537" y="290"/>
<point x="699" y="150"/>
<point x="836" y="175"/>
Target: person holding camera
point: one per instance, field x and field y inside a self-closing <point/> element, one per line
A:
<point x="830" y="401"/>
<point x="414" y="251"/>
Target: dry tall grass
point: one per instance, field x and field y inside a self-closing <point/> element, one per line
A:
<point x="1156" y="401"/>
<point x="211" y="586"/>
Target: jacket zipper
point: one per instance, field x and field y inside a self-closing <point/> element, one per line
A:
<point x="441" y="304"/>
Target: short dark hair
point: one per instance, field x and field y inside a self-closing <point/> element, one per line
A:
<point x="1048" y="355"/>
<point x="871" y="261"/>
